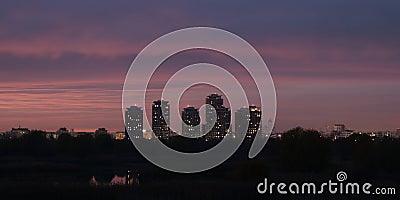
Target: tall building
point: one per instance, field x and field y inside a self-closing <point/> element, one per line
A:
<point x="242" y="116"/>
<point x="255" y="120"/>
<point x="159" y="121"/>
<point x="252" y="116"/>
<point x="223" y="117"/>
<point x="191" y="122"/>
<point x="134" y="122"/>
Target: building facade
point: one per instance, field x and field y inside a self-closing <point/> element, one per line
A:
<point x="101" y="131"/>
<point x="339" y="128"/>
<point x="250" y="116"/>
<point x="223" y="117"/>
<point x="62" y="130"/>
<point x="190" y="122"/>
<point x="134" y="122"/>
<point x="160" y="119"/>
<point x="18" y="132"/>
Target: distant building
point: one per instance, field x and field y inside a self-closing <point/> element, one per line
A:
<point x="223" y="117"/>
<point x="344" y="134"/>
<point x="62" y="131"/>
<point x="78" y="134"/>
<point x="147" y="134"/>
<point x="242" y="117"/>
<point x="191" y="122"/>
<point x="160" y="119"/>
<point x="52" y="135"/>
<point x="119" y="135"/>
<point x="339" y="128"/>
<point x="398" y="133"/>
<point x="339" y="131"/>
<point x="134" y="121"/>
<point x="203" y="129"/>
<point x="255" y="120"/>
<point x="383" y="134"/>
<point x="101" y="131"/>
<point x="18" y="132"/>
<point x="250" y="116"/>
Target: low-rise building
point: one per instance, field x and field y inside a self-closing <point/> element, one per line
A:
<point x="121" y="135"/>
<point x="62" y="131"/>
<point x="101" y="131"/>
<point x="77" y="134"/>
<point x="52" y="135"/>
<point x="18" y="132"/>
<point x="397" y="135"/>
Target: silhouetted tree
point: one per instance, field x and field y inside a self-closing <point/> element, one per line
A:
<point x="304" y="150"/>
<point x="84" y="145"/>
<point x="65" y="143"/>
<point x="104" y="142"/>
<point x="361" y="150"/>
<point x="35" y="143"/>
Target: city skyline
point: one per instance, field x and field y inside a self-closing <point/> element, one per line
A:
<point x="67" y="70"/>
<point x="134" y="119"/>
<point x="190" y="116"/>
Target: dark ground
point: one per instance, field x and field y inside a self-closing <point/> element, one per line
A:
<point x="28" y="174"/>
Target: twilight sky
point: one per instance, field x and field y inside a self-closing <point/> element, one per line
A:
<point x="64" y="63"/>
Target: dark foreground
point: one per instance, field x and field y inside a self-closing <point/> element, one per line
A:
<point x="298" y="158"/>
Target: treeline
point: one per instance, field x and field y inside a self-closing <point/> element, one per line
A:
<point x="298" y="150"/>
<point x="307" y="151"/>
<point x="37" y="144"/>
<point x="301" y="152"/>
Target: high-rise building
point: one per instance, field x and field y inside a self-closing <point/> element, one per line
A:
<point x="203" y="129"/>
<point x="160" y="119"/>
<point x="252" y="116"/>
<point x="191" y="122"/>
<point x="255" y="120"/>
<point x="242" y="117"/>
<point x="134" y="121"/>
<point x="223" y="117"/>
